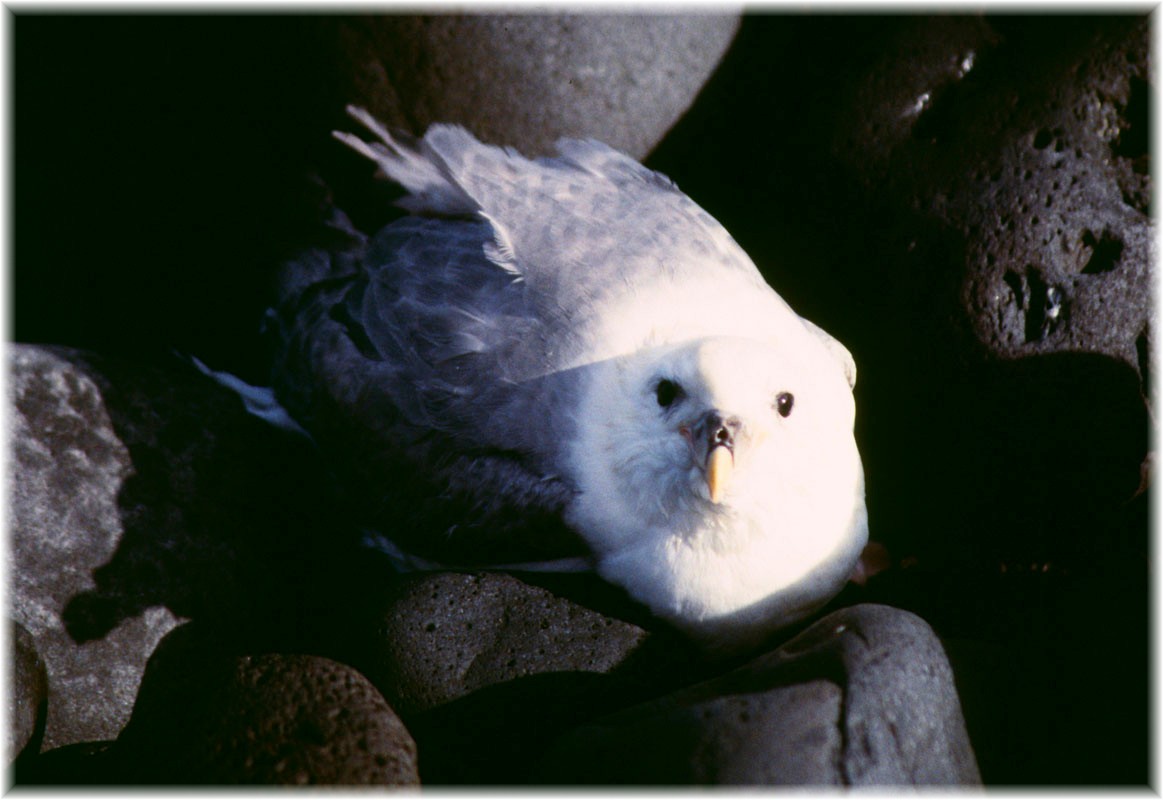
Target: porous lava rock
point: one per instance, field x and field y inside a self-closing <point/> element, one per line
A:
<point x="1003" y="168"/>
<point x="206" y="716"/>
<point x="864" y="697"/>
<point x="1023" y="144"/>
<point x="447" y="634"/>
<point x="485" y="668"/>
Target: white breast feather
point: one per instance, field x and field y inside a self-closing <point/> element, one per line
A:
<point x="796" y="510"/>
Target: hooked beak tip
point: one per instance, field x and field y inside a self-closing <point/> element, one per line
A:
<point x="720" y="466"/>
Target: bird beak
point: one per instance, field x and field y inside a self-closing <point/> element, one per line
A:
<point x="718" y="434"/>
<point x="720" y="467"/>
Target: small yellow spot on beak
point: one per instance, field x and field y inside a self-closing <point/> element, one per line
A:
<point x="720" y="465"/>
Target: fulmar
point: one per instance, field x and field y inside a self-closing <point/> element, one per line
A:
<point x="565" y="361"/>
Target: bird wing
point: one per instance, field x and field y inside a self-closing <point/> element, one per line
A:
<point x="409" y="354"/>
<point x="579" y="229"/>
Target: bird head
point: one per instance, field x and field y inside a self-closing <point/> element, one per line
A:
<point x="731" y="402"/>
<point x="719" y="473"/>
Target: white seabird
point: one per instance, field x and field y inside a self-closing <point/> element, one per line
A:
<point x="567" y="356"/>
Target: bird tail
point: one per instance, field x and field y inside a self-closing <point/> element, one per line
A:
<point x="418" y="168"/>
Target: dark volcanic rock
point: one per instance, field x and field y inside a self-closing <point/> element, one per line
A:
<point x="994" y="163"/>
<point x="141" y="494"/>
<point x="528" y="80"/>
<point x="1022" y="144"/>
<point x="864" y="697"/>
<point x="992" y="159"/>
<point x="27" y="696"/>
<point x="445" y="635"/>
<point x="487" y="669"/>
<point x="205" y="716"/>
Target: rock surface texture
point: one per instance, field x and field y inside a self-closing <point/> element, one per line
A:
<point x="528" y="80"/>
<point x="487" y="669"/>
<point x="27" y="696"/>
<point x="864" y="697"/>
<point x="68" y="469"/>
<point x="446" y="635"/>
<point x="206" y="717"/>
<point x="136" y="500"/>
<point x="1041" y="176"/>
<point x="963" y="200"/>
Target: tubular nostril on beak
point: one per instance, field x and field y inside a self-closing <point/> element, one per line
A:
<point x="720" y="430"/>
<point x="723" y="435"/>
<point x="717" y="434"/>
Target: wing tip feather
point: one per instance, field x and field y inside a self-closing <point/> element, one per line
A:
<point x="421" y="171"/>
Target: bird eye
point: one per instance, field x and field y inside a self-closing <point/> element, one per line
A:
<point x="784" y="403"/>
<point x="667" y="392"/>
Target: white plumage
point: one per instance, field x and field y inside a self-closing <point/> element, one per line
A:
<point x="570" y="347"/>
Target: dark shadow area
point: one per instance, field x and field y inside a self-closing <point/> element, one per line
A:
<point x="226" y="519"/>
<point x="495" y="735"/>
<point x="74" y="765"/>
<point x="159" y="173"/>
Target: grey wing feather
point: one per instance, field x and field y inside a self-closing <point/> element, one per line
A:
<point x="430" y="187"/>
<point x="590" y="208"/>
<point x="434" y="304"/>
<point x="407" y="355"/>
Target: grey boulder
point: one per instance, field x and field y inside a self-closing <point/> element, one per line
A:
<point x="445" y="635"/>
<point x="864" y="697"/>
<point x="487" y="669"/>
<point x="68" y="470"/>
<point x="209" y="716"/>
<point x="526" y="80"/>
